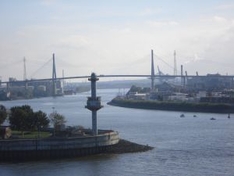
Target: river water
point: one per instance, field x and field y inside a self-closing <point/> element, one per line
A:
<point x="183" y="146"/>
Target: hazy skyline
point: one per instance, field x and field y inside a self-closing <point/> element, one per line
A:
<point x="115" y="37"/>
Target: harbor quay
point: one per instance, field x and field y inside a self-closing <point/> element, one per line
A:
<point x="57" y="147"/>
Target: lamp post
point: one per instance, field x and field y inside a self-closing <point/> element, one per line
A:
<point x="53" y="114"/>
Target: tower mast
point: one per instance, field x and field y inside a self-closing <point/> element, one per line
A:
<point x="25" y="72"/>
<point x="175" y="65"/>
<point x="152" y="70"/>
<point x="54" y="77"/>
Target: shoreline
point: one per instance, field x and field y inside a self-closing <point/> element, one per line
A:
<point x="172" y="106"/>
<point x="125" y="146"/>
<point x="122" y="147"/>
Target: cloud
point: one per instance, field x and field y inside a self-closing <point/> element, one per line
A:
<point x="113" y="41"/>
<point x="195" y="58"/>
<point x="48" y="2"/>
<point x="162" y="23"/>
<point x="220" y="19"/>
<point x="73" y="41"/>
<point x="229" y="6"/>
<point x="150" y="12"/>
<point x="115" y="49"/>
<point x="217" y="56"/>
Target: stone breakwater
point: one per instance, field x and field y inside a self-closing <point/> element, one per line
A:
<point x="125" y="146"/>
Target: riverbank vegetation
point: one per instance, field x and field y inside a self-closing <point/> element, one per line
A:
<point x="26" y="123"/>
<point x="23" y="118"/>
<point x="30" y="134"/>
<point x="3" y="114"/>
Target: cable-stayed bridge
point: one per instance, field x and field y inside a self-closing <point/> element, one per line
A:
<point x="54" y="79"/>
<point x="152" y="74"/>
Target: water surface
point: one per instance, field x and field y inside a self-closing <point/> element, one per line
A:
<point x="183" y="146"/>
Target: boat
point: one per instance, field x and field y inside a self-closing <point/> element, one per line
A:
<point x="212" y="118"/>
<point x="182" y="115"/>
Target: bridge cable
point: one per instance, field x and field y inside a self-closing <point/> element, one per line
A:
<point x="34" y="73"/>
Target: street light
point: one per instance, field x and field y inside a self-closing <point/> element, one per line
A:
<point x="53" y="114"/>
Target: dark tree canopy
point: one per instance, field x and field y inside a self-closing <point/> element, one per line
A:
<point x="3" y="114"/>
<point x="139" y="89"/>
<point x="41" y="119"/>
<point x="23" y="118"/>
<point x="18" y="118"/>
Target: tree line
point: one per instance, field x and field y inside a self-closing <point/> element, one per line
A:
<point x="23" y="118"/>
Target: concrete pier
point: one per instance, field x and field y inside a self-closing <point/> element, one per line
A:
<point x="61" y="147"/>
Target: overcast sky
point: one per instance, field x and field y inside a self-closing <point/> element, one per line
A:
<point x="115" y="36"/>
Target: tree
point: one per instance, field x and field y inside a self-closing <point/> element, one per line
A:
<point x="22" y="118"/>
<point x="3" y="114"/>
<point x="17" y="119"/>
<point x="41" y="120"/>
<point x="57" y="120"/>
<point x="135" y="89"/>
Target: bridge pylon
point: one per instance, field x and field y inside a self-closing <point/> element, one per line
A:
<point x="54" y="92"/>
<point x="152" y="77"/>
